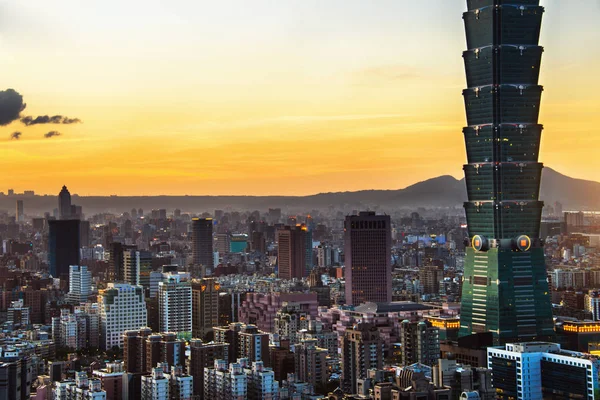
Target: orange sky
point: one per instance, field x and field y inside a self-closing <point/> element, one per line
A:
<point x="273" y="98"/>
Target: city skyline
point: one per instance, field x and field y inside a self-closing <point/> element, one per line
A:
<point x="348" y="98"/>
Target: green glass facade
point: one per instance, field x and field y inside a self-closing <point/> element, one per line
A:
<point x="505" y="288"/>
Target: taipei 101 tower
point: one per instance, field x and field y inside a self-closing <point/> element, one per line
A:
<point x="505" y="288"/>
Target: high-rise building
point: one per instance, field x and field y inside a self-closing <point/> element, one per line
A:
<point x="122" y="308"/>
<point x="592" y="304"/>
<point x="245" y="341"/>
<point x="311" y="363"/>
<point x="19" y="215"/>
<point x="64" y="203"/>
<point x="505" y="289"/>
<point x="420" y="343"/>
<point x="175" y="304"/>
<point x="294" y="259"/>
<point x="202" y="243"/>
<point x="156" y="385"/>
<point x="80" y="388"/>
<point x="203" y="355"/>
<point x="116" y="262"/>
<point x="367" y="250"/>
<point x="224" y="382"/>
<point x="181" y="385"/>
<point x="222" y="243"/>
<point x="63" y="247"/>
<point x="15" y="379"/>
<point x="80" y="282"/>
<point x="362" y="349"/>
<point x="205" y="306"/>
<point x="137" y="266"/>
<point x="143" y="349"/>
<point x="261" y="382"/>
<point x="111" y="378"/>
<point x="538" y="370"/>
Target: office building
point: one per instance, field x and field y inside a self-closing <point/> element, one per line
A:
<point x="19" y="214"/>
<point x="203" y="355"/>
<point x="63" y="247"/>
<point x="116" y="261"/>
<point x="367" y="250"/>
<point x="505" y="290"/>
<point x="64" y="203"/>
<point x="420" y="343"/>
<point x="80" y="282"/>
<point x="361" y="350"/>
<point x="311" y="363"/>
<point x="205" y="306"/>
<point x="202" y="243"/>
<point x="175" y="304"/>
<point x="122" y="308"/>
<point x="294" y="252"/>
<point x="137" y="266"/>
<point x="539" y="370"/>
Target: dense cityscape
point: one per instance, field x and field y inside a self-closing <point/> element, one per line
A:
<point x="499" y="300"/>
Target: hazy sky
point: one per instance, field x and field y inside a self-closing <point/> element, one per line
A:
<point x="267" y="96"/>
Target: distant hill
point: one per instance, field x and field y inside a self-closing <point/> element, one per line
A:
<point x="442" y="191"/>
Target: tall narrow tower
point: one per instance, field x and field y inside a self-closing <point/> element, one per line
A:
<point x="505" y="289"/>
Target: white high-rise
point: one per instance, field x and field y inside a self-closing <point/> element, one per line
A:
<point x="122" y="308"/>
<point x="156" y="385"/>
<point x="175" y="304"/>
<point x="80" y="282"/>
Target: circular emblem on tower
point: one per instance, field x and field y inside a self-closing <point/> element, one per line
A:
<point x="479" y="243"/>
<point x="523" y="243"/>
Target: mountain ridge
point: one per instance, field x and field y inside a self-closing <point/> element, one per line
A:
<point x="438" y="192"/>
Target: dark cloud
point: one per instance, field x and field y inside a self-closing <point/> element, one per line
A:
<point x="11" y="105"/>
<point x="46" y="119"/>
<point x="51" y="134"/>
<point x="15" y="135"/>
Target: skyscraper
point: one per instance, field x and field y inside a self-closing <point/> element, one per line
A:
<point x="122" y="308"/>
<point x="294" y="252"/>
<point x="175" y="304"/>
<point x="367" y="248"/>
<point x="202" y="243"/>
<point x="137" y="266"/>
<point x="505" y="290"/>
<point x="64" y="203"/>
<point x="19" y="215"/>
<point x="205" y="306"/>
<point x="80" y="281"/>
<point x="63" y="247"/>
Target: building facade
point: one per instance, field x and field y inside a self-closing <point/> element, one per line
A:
<point x="122" y="308"/>
<point x="202" y="243"/>
<point x="205" y="306"/>
<point x="175" y="304"/>
<point x="367" y="250"/>
<point x="505" y="289"/>
<point x="539" y="370"/>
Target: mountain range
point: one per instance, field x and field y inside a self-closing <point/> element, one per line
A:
<point x="443" y="191"/>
